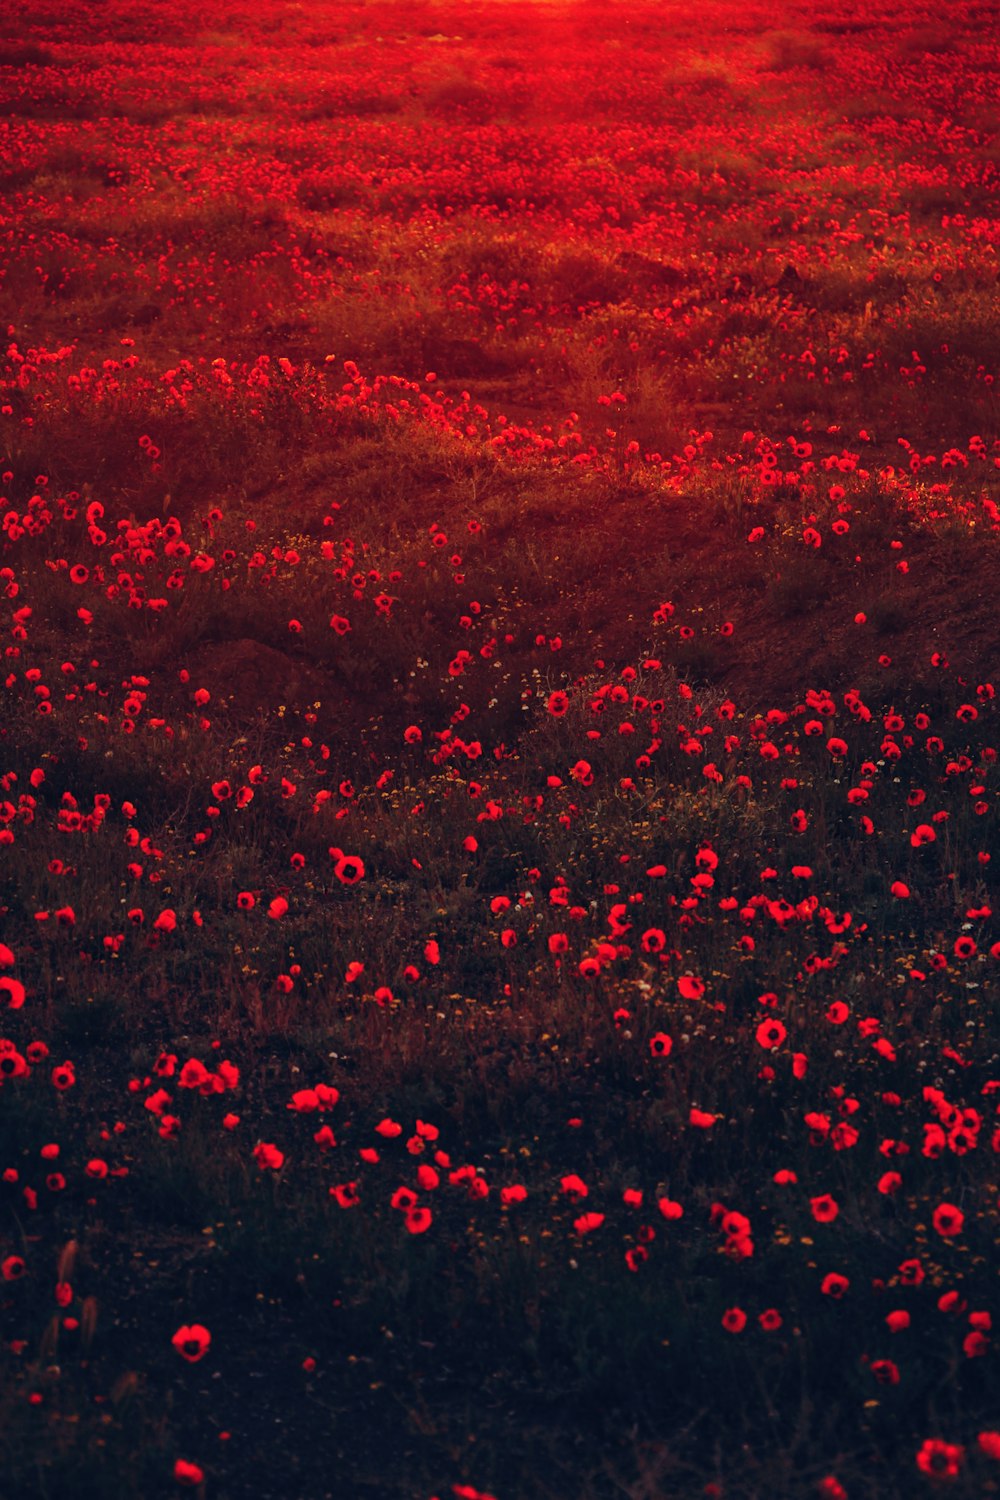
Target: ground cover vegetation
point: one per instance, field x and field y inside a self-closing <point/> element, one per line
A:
<point x="498" y="750"/>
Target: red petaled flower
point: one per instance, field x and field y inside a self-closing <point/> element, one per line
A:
<point x="349" y="869"/>
<point x="771" y="1033"/>
<point x="192" y="1341"/>
<point x="940" y="1459"/>
<point x="188" y="1473"/>
<point x="64" y="1076"/>
<point x="11" y="993"/>
<point x="948" y="1220"/>
<point x="418" y="1220"/>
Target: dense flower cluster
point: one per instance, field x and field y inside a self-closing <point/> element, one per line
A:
<point x="408" y="979"/>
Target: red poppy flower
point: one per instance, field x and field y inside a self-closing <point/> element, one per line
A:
<point x="734" y="1320"/>
<point x="660" y="1045"/>
<point x="192" y="1341"/>
<point x="830" y="1488"/>
<point x="12" y="993"/>
<point x="940" y="1459"/>
<point x="690" y="988"/>
<point x="948" y="1220"/>
<point x="349" y="869"/>
<point x="193" y="1074"/>
<point x="188" y="1473"/>
<point x="418" y="1220"/>
<point x="975" y="1344"/>
<point x="771" y="1033"/>
<point x="824" y="1208"/>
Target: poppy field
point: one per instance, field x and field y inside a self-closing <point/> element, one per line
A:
<point x="500" y="551"/>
